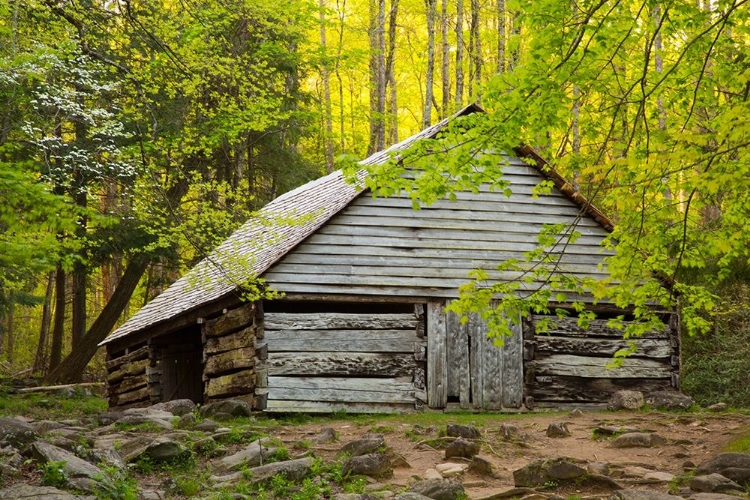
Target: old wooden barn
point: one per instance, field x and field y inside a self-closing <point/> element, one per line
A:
<point x="362" y="325"/>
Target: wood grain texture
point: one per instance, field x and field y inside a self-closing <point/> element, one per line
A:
<point x="128" y="370"/>
<point x="229" y="361"/>
<point x="341" y="390"/>
<point x="596" y="367"/>
<point x="588" y="390"/>
<point x="137" y="355"/>
<point x="338" y="321"/>
<point x="233" y="320"/>
<point x="349" y="364"/>
<point x="596" y="328"/>
<point x="243" y="338"/>
<point x="293" y="406"/>
<point x="513" y="368"/>
<point x="437" y="362"/>
<point x="242" y="382"/>
<point x="341" y="340"/>
<point x="652" y="348"/>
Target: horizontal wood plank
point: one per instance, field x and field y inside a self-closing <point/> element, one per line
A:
<point x="596" y="367"/>
<point x="136" y="355"/>
<point x="279" y="406"/>
<point x="128" y="370"/>
<point x="233" y="320"/>
<point x="350" y="390"/>
<point x="242" y="382"/>
<point x="652" y="348"/>
<point x="351" y="364"/>
<point x="596" y="328"/>
<point x="229" y="361"/>
<point x="341" y="340"/>
<point x="243" y="338"/>
<point x="499" y="203"/>
<point x="587" y="390"/>
<point x="337" y="321"/>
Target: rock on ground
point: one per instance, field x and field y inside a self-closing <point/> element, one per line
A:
<point x="542" y="471"/>
<point x="558" y="430"/>
<point x="640" y="495"/>
<point x="81" y="473"/>
<point x="24" y="491"/>
<point x="439" y="489"/>
<point x="735" y="466"/>
<point x="462" y="448"/>
<point x="164" y="449"/>
<point x="713" y="483"/>
<point x="626" y="400"/>
<point x="177" y="407"/>
<point x="669" y="400"/>
<point x="638" y="440"/>
<point x="372" y="464"/>
<point x="293" y="470"/>
<point x="234" y="407"/>
<point x="463" y="431"/>
<point x="326" y="435"/>
<point x="16" y="432"/>
<point x="369" y="443"/>
<point x="248" y="456"/>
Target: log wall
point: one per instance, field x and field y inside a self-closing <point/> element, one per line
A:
<point x="127" y="380"/>
<point x="334" y="361"/>
<point x="230" y="355"/>
<point x="569" y="365"/>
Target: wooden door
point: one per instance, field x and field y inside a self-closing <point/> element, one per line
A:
<point x="465" y="367"/>
<point x="182" y="371"/>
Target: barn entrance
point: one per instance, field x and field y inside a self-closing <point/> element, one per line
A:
<point x="465" y="369"/>
<point x="336" y="356"/>
<point x="180" y="360"/>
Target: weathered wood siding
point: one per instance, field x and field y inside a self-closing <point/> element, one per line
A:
<point x="475" y="372"/>
<point x="569" y="365"/>
<point x="383" y="246"/>
<point x="323" y="362"/>
<point x="127" y="378"/>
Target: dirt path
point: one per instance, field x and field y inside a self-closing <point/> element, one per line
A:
<point x="690" y="438"/>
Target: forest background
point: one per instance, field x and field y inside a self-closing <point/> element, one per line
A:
<point x="137" y="134"/>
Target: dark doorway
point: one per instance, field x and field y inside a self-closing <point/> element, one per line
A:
<point x="182" y="368"/>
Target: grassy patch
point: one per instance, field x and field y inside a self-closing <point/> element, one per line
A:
<point x="740" y="445"/>
<point x="49" y="406"/>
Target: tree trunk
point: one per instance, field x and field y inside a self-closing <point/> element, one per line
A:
<point x="500" y="36"/>
<point x="515" y="53"/>
<point x="390" y="80"/>
<point x="377" y="76"/>
<point x="459" y="53"/>
<point x="9" y="332"/>
<point x="446" y="66"/>
<point x="71" y="369"/>
<point x="41" y="349"/>
<point x="475" y="51"/>
<point x="430" y="74"/>
<point x="328" y="139"/>
<point x="58" y="332"/>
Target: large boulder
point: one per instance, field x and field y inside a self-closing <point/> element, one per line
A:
<point x="372" y="464"/>
<point x="15" y="432"/>
<point x="626" y="400"/>
<point x="233" y="407"/>
<point x="714" y="483"/>
<point x="293" y="470"/>
<point x="177" y="407"/>
<point x="164" y="449"/>
<point x="23" y="491"/>
<point x="439" y="489"/>
<point x="463" y="431"/>
<point x="543" y="471"/>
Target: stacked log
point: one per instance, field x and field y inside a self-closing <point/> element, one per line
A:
<point x="230" y="355"/>
<point x="127" y="380"/>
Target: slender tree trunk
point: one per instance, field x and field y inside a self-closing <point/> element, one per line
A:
<point x="71" y="369"/>
<point x="58" y="332"/>
<point x="78" y="325"/>
<point x="377" y="76"/>
<point x="9" y="332"/>
<point x="459" y="53"/>
<point x="41" y="349"/>
<point x="500" y="36"/>
<point x="430" y="73"/>
<point x="328" y="139"/>
<point x="475" y="51"/>
<point x="516" y="33"/>
<point x="446" y="63"/>
<point x="339" y="49"/>
<point x="390" y="81"/>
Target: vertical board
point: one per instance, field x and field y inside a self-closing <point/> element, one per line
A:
<point x="476" y="344"/>
<point x="513" y="369"/>
<point x="492" y="372"/>
<point x="437" y="361"/>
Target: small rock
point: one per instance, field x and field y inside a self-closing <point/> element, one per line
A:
<point x="626" y="400"/>
<point x="293" y="470"/>
<point x="109" y="417"/>
<point x="16" y="432"/>
<point x="249" y="456"/>
<point x="164" y="449"/>
<point x="369" y="443"/>
<point x="481" y="466"/>
<point x="186" y="421"/>
<point x="638" y="440"/>
<point x="463" y="431"/>
<point x="739" y="475"/>
<point x="452" y="470"/>
<point x="712" y="496"/>
<point x="663" y="477"/>
<point x="542" y="471"/>
<point x="432" y="474"/>
<point x="108" y="456"/>
<point x="599" y="468"/>
<point x="629" y="494"/>
<point x="207" y="425"/>
<point x="177" y="407"/>
<point x="576" y="413"/>
<point x="234" y="407"/>
<point x="688" y="465"/>
<point x="714" y="483"/>
<point x="461" y="448"/>
<point x="669" y="400"/>
<point x="608" y="430"/>
<point x="718" y="407"/>
<point x="509" y="431"/>
<point x="372" y="464"/>
<point x="409" y="495"/>
<point x="439" y="489"/>
<point x="44" y="426"/>
<point x="326" y="435"/>
<point x="558" y="430"/>
<point x="81" y="474"/>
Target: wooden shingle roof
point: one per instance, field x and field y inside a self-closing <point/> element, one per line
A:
<point x="262" y="240"/>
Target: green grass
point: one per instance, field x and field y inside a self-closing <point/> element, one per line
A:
<point x="49" y="406"/>
<point x="740" y="445"/>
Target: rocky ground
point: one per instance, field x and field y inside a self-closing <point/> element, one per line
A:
<point x="221" y="451"/>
